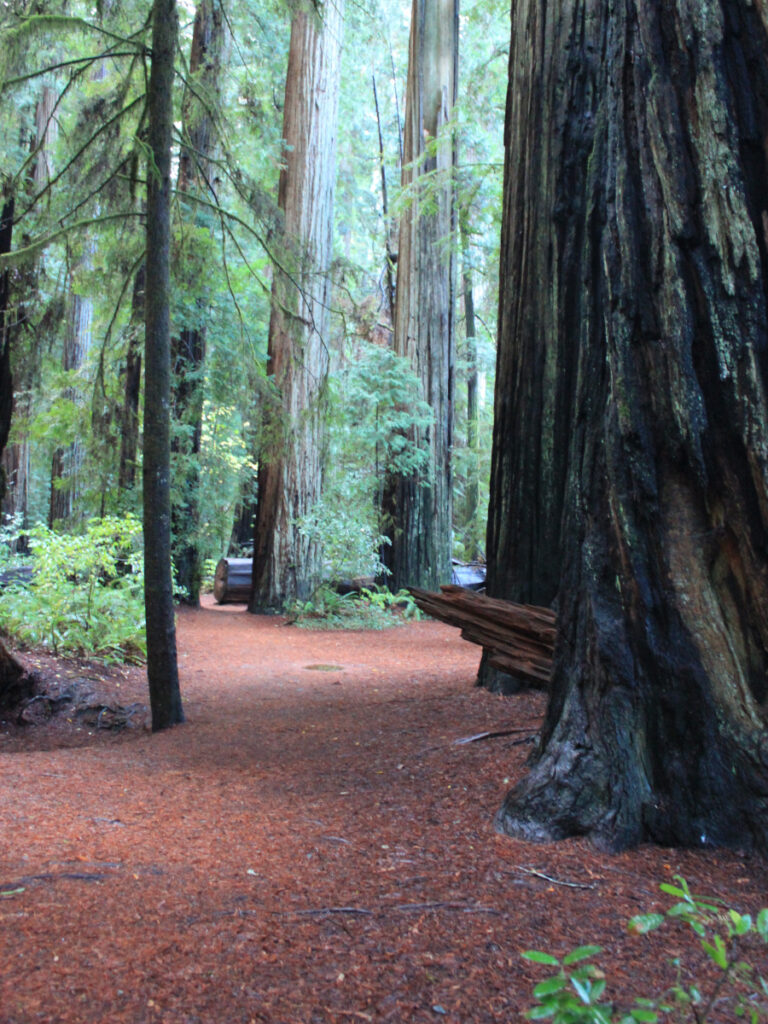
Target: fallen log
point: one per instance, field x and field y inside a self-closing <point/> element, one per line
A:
<point x="518" y="638"/>
<point x="232" y="580"/>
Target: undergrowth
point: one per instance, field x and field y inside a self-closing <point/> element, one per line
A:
<point x="85" y="592"/>
<point x="371" y="608"/>
<point x="732" y="988"/>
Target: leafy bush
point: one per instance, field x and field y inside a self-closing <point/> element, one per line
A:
<point x="375" y="608"/>
<point x="574" y="994"/>
<point x="86" y="592"/>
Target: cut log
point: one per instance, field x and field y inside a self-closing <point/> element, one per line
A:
<point x="518" y="638"/>
<point x="232" y="580"/>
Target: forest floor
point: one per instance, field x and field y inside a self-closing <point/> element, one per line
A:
<point x="314" y="844"/>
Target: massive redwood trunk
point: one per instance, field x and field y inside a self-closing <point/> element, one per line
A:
<point x="286" y="559"/>
<point x="418" y="507"/>
<point x="631" y="446"/>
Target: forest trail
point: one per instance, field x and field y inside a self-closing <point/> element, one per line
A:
<point x="312" y="845"/>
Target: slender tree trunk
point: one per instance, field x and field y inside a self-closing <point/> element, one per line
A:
<point x="633" y="367"/>
<point x="129" y="433"/>
<point x="188" y="347"/>
<point x="419" y="507"/>
<point x="15" y="457"/>
<point x="286" y="562"/>
<point x="162" y="670"/>
<point x="6" y="377"/>
<point x="67" y="461"/>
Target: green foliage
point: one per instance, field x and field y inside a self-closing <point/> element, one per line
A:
<point x="374" y="407"/>
<point x="574" y="993"/>
<point x="374" y="608"/>
<point x="86" y="594"/>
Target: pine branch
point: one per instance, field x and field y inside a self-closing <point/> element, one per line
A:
<point x="104" y="126"/>
<point x="29" y="252"/>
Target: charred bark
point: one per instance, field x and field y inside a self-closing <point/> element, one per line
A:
<point x="634" y="325"/>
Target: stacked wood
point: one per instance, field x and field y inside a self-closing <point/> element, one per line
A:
<point x="232" y="580"/>
<point x="518" y="638"/>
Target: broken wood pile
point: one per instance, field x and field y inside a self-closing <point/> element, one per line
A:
<point x="518" y="638"/>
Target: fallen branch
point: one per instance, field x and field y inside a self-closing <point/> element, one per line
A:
<point x="517" y="638"/>
<point x="555" y="881"/>
<point x="490" y="735"/>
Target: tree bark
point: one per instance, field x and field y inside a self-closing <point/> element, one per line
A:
<point x="634" y="371"/>
<point x="6" y="377"/>
<point x="188" y="347"/>
<point x="162" y="669"/>
<point x="67" y="460"/>
<point x="286" y="560"/>
<point x="418" y="508"/>
<point x="129" y="419"/>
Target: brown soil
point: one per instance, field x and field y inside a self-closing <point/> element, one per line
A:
<point x="313" y="845"/>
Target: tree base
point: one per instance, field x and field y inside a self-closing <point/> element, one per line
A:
<point x="17" y="683"/>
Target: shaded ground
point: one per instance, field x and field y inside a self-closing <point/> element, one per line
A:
<point x="313" y="845"/>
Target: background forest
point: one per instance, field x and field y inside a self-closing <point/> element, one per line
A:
<point x="73" y="172"/>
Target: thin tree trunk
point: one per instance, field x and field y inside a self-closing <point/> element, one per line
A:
<point x="67" y="461"/>
<point x="129" y="420"/>
<point x="6" y="377"/>
<point x="419" y="506"/>
<point x="287" y="559"/>
<point x="633" y="341"/>
<point x="15" y="457"/>
<point x="162" y="670"/>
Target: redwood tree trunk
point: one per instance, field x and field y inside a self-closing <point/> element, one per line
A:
<point x="188" y="346"/>
<point x="632" y="393"/>
<point x="418" y="508"/>
<point x="162" y="669"/>
<point x="286" y="560"/>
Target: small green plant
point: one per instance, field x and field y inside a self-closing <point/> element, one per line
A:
<point x="86" y="592"/>
<point x="574" y="993"/>
<point x="372" y="608"/>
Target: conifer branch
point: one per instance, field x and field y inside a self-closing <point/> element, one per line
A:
<point x="29" y="252"/>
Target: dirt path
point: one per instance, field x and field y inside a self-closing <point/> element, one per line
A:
<point x="311" y="846"/>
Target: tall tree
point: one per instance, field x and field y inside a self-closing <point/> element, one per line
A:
<point x="418" y="506"/>
<point x="67" y="461"/>
<point x="199" y="109"/>
<point x="162" y="667"/>
<point x="286" y="559"/>
<point x="633" y="380"/>
<point x="129" y="415"/>
<point x="25" y="297"/>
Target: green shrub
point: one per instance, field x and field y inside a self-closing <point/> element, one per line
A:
<point x="86" y="596"/>
<point x="574" y="993"/>
<point x="374" y="608"/>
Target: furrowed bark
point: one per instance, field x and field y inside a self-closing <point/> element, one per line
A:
<point x="286" y="560"/>
<point x="418" y="508"/>
<point x="633" y="370"/>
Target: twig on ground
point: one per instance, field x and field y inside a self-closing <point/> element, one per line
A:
<point x="490" y="735"/>
<point x="555" y="881"/>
